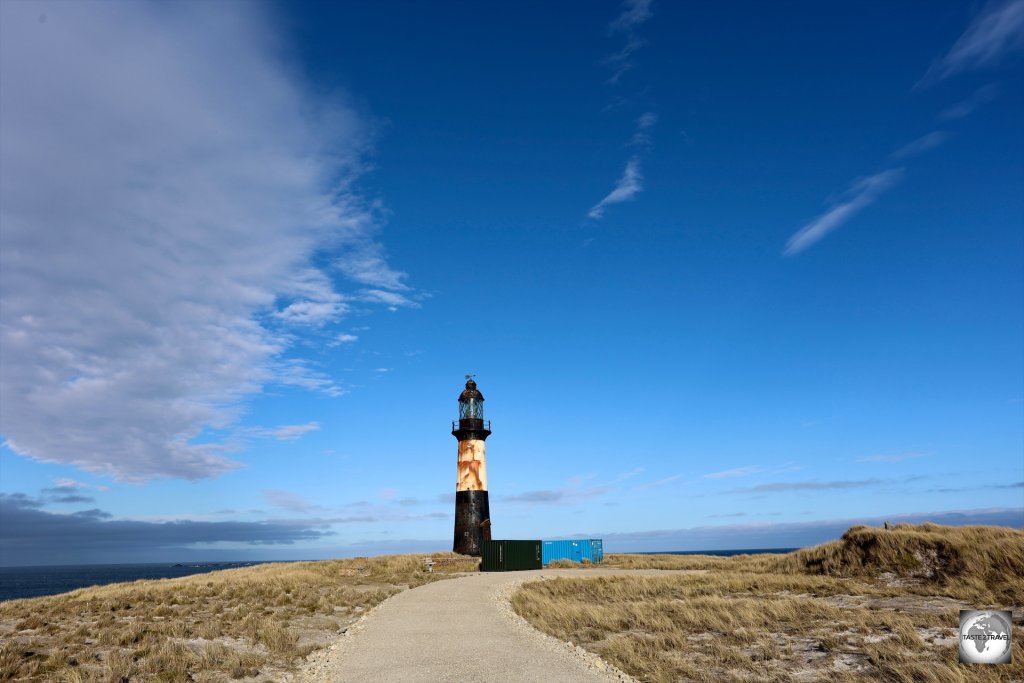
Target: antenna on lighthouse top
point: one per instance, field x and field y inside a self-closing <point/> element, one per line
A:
<point x="470" y="376"/>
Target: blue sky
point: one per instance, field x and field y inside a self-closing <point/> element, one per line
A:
<point x="729" y="274"/>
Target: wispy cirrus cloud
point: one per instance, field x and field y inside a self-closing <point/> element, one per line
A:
<point x="783" y="486"/>
<point x="983" y="487"/>
<point x="642" y="133"/>
<point x="187" y="216"/>
<point x="289" y="500"/>
<point x="66" y="482"/>
<point x="751" y="470"/>
<point x="368" y="265"/>
<point x="343" y="338"/>
<point x="920" y="145"/>
<point x="626" y="188"/>
<point x="285" y="432"/>
<point x="966" y="107"/>
<point x="659" y="482"/>
<point x="635" y="472"/>
<point x="633" y="15"/>
<point x="630" y="183"/>
<point x="735" y="472"/>
<point x="393" y="300"/>
<point x="891" y="457"/>
<point x="994" y="33"/>
<point x="861" y="194"/>
<point x="564" y="496"/>
<point x="297" y="372"/>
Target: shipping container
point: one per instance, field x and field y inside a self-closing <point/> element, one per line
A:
<point x="509" y="556"/>
<point x="577" y="550"/>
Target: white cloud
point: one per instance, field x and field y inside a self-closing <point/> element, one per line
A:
<point x="660" y="482"/>
<point x="631" y="182"/>
<point x="646" y="120"/>
<point x="635" y="472"/>
<point x="634" y="13"/>
<point x="621" y="61"/>
<point x="288" y="432"/>
<point x="288" y="500"/>
<point x="921" y="145"/>
<point x="860" y="195"/>
<point x="368" y="266"/>
<point x="890" y="457"/>
<point x="642" y="136"/>
<point x="735" y="472"/>
<point x="312" y="312"/>
<point x="314" y="301"/>
<point x="627" y="187"/>
<point x="166" y="181"/>
<point x="391" y="299"/>
<point x="998" y="30"/>
<point x="67" y="483"/>
<point x="966" y="107"/>
<point x="295" y="372"/>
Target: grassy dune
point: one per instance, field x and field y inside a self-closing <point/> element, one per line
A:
<point x="876" y="605"/>
<point x="251" y="624"/>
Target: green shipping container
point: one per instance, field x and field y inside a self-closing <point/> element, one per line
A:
<point x="510" y="556"/>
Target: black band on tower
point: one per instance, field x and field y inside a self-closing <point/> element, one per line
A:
<point x="472" y="521"/>
<point x="471" y="428"/>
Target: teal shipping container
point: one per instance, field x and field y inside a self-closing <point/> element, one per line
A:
<point x="577" y="550"/>
<point x="509" y="556"/>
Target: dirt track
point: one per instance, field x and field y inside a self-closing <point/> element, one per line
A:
<point x="458" y="630"/>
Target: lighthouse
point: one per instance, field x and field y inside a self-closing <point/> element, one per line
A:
<point x="472" y="512"/>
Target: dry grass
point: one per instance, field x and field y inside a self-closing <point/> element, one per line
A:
<point x="252" y="623"/>
<point x="878" y="605"/>
<point x="980" y="563"/>
<point x="690" y="562"/>
<point x="564" y="564"/>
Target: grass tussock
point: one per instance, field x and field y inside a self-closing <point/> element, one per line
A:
<point x="249" y="623"/>
<point x="981" y="563"/>
<point x="856" y="609"/>
<point x="563" y="564"/>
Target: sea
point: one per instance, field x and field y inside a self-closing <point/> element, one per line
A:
<point x="722" y="553"/>
<point x="32" y="582"/>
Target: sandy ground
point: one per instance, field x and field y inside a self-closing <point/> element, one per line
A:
<point x="459" y="630"/>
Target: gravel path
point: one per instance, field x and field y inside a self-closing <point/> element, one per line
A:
<point x="458" y="630"/>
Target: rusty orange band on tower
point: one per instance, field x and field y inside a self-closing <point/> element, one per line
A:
<point x="472" y="468"/>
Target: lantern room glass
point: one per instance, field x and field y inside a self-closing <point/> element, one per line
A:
<point x="471" y="409"/>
